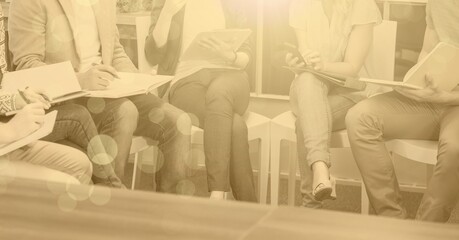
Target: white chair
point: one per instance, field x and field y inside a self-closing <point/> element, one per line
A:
<point x="379" y="64"/>
<point x="258" y="129"/>
<point x="141" y="22"/>
<point x="138" y="146"/>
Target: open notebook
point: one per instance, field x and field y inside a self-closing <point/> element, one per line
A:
<point x="58" y="80"/>
<point x="442" y="63"/>
<point x="130" y="84"/>
<point x="43" y="131"/>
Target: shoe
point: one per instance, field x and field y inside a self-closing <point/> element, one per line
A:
<point x="325" y="190"/>
<point x="322" y="191"/>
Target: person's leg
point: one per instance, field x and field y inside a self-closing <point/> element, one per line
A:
<point x="58" y="157"/>
<point x="171" y="127"/>
<point x="241" y="174"/>
<point x="228" y="94"/>
<point x="190" y="95"/>
<point x="339" y="105"/>
<point x="74" y="123"/>
<point x="375" y="120"/>
<point x="309" y="102"/>
<point x="442" y="192"/>
<point x="116" y="120"/>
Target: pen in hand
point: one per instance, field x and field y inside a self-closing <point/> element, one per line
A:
<point x="108" y="69"/>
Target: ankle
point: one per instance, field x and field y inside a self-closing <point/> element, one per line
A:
<point x="319" y="166"/>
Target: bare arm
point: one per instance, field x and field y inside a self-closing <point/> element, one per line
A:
<point x="356" y="52"/>
<point x="431" y="93"/>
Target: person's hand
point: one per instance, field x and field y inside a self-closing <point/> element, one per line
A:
<point x="292" y="61"/>
<point x="430" y="93"/>
<point x="97" y="78"/>
<point x="314" y="60"/>
<point x="27" y="120"/>
<point x="172" y="7"/>
<point x="33" y="96"/>
<point x="219" y="48"/>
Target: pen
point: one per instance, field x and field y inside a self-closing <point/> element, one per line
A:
<point x="115" y="75"/>
<point x="21" y="93"/>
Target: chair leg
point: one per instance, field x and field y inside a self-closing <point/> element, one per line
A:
<point x="365" y="202"/>
<point x="134" y="173"/>
<point x="274" y="169"/>
<point x="264" y="168"/>
<point x="291" y="177"/>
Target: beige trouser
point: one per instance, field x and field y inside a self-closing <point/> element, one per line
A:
<point x="390" y="116"/>
<point x="57" y="157"/>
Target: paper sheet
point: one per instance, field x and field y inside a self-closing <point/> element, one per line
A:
<point x="45" y="129"/>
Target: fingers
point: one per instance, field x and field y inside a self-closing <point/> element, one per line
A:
<point x="312" y="58"/>
<point x="293" y="61"/>
<point x="107" y="69"/>
<point x="430" y="82"/>
<point x="37" y="98"/>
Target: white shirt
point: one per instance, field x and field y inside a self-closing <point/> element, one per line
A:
<point x="201" y="16"/>
<point x="86" y="34"/>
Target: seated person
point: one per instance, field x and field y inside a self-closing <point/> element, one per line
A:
<point x="51" y="155"/>
<point x="85" y="33"/>
<point x="73" y="123"/>
<point x="216" y="93"/>
<point x="427" y="114"/>
<point x="335" y="37"/>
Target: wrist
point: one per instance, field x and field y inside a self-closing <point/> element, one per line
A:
<point x="9" y="133"/>
<point x="19" y="102"/>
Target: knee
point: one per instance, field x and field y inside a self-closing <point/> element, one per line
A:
<point x="82" y="169"/>
<point x="176" y="120"/>
<point x="227" y="86"/>
<point x="78" y="112"/>
<point x="239" y="127"/>
<point x="361" y="116"/>
<point x="309" y="82"/>
<point x="125" y="115"/>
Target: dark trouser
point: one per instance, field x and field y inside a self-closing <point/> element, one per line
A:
<point x="148" y="116"/>
<point x="75" y="125"/>
<point x="171" y="127"/>
<point x="391" y="116"/>
<point x="219" y="98"/>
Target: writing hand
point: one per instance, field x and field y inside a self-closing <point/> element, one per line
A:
<point x="97" y="78"/>
<point x="27" y="120"/>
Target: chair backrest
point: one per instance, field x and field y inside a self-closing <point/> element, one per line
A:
<point x="380" y="63"/>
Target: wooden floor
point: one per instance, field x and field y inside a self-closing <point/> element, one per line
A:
<point x="39" y="210"/>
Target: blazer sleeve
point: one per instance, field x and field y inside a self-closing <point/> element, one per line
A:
<point x="121" y="62"/>
<point x="27" y="29"/>
<point x="153" y="53"/>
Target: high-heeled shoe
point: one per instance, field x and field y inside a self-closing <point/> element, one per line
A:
<point x="325" y="190"/>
